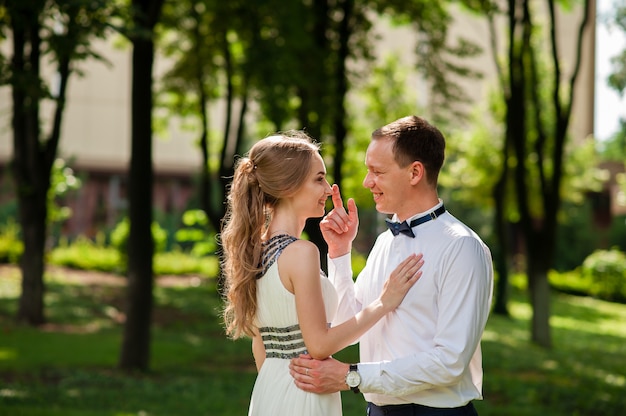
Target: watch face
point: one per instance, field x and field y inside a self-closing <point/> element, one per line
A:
<point x="353" y="379"/>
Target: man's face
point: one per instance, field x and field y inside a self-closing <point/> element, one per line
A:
<point x="388" y="182"/>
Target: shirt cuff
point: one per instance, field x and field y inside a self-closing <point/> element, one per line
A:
<point x="370" y="377"/>
<point x="340" y="266"/>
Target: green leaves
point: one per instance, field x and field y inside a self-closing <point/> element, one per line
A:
<point x="196" y="234"/>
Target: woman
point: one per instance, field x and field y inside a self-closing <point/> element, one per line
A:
<point x="276" y="292"/>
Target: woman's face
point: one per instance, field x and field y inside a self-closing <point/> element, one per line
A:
<point x="310" y="199"/>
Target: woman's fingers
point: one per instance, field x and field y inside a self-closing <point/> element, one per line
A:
<point x="409" y="269"/>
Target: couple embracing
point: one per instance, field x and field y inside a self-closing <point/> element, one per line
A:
<point x="418" y="308"/>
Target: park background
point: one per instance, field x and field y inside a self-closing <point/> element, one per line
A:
<point x="112" y="308"/>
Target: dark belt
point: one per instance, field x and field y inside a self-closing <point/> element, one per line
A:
<point x="412" y="409"/>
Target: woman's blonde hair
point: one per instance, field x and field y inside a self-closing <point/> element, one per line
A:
<point x="274" y="168"/>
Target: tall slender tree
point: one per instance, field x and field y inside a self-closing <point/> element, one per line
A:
<point x="293" y="59"/>
<point x="135" y="351"/>
<point x="63" y="30"/>
<point x="538" y="102"/>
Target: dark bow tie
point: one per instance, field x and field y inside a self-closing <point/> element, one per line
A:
<point x="406" y="229"/>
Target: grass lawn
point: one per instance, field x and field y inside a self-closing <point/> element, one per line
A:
<point x="68" y="367"/>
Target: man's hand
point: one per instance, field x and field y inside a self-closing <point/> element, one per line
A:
<point x="319" y="376"/>
<point x="339" y="227"/>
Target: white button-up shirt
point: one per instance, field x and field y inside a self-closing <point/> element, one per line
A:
<point x="427" y="351"/>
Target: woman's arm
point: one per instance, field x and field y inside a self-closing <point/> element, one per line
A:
<point x="258" y="351"/>
<point x="299" y="270"/>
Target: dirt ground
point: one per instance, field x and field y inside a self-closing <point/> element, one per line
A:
<point x="90" y="277"/>
<point x="96" y="283"/>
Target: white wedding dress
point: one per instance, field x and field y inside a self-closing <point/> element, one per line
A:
<point x="275" y="393"/>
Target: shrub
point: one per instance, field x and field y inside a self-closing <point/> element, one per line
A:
<point x="607" y="271"/>
<point x="119" y="240"/>
<point x="86" y="255"/>
<point x="572" y="282"/>
<point x="194" y="236"/>
<point x="11" y="246"/>
<point x="119" y="236"/>
<point x="177" y="262"/>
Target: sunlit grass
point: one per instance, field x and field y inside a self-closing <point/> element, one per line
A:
<point x="68" y="367"/>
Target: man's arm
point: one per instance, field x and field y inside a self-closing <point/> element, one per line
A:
<point x="340" y="275"/>
<point x="339" y="229"/>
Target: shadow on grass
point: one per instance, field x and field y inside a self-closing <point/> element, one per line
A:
<point x="68" y="367"/>
<point x="583" y="374"/>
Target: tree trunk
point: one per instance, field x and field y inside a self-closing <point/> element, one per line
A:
<point x="502" y="237"/>
<point x="341" y="79"/>
<point x="33" y="222"/>
<point x="135" y="353"/>
<point x="313" y="111"/>
<point x="539" y="289"/>
<point x="28" y="164"/>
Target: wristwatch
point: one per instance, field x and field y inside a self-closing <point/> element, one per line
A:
<point x="353" y="378"/>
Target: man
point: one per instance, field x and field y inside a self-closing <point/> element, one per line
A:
<point x="425" y="357"/>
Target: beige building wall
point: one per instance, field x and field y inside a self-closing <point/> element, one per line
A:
<point x="96" y="127"/>
<point x="401" y="41"/>
<point x="96" y="123"/>
<point x="6" y="147"/>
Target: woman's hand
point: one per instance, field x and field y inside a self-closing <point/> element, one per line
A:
<point x="400" y="281"/>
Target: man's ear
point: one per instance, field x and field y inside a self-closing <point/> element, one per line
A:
<point x="417" y="170"/>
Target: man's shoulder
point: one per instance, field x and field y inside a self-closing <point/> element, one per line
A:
<point x="456" y="230"/>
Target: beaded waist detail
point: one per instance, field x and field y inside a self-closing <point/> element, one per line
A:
<point x="285" y="343"/>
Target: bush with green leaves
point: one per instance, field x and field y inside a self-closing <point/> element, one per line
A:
<point x="119" y="236"/>
<point x="62" y="181"/>
<point x="179" y="263"/>
<point x="194" y="236"/>
<point x="11" y="246"/>
<point x="84" y="254"/>
<point x="119" y="239"/>
<point x="606" y="269"/>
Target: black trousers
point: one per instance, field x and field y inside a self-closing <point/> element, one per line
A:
<point x="419" y="410"/>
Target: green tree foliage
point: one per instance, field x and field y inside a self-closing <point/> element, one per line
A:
<point x="62" y="182"/>
<point x="60" y="32"/>
<point x="617" y="79"/>
<point x="474" y="166"/>
<point x="538" y="94"/>
<point x="385" y="96"/>
<point x="440" y="59"/>
<point x="289" y="58"/>
<point x="296" y="61"/>
<point x="614" y="148"/>
<point x="195" y="36"/>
